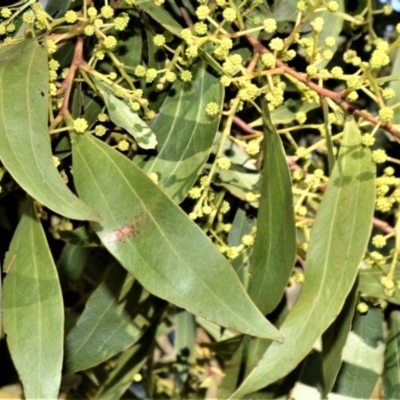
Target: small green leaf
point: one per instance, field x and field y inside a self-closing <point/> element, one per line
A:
<point x="33" y="309"/>
<point x="274" y="250"/>
<point x="391" y="376"/>
<point x="122" y="115"/>
<point x="116" y="315"/>
<point x="338" y="241"/>
<point x="182" y="115"/>
<point x="334" y="339"/>
<point x="157" y="242"/>
<point x="24" y="139"/>
<point x="161" y="16"/>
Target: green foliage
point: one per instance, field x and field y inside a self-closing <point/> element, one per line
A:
<point x="199" y="199"/>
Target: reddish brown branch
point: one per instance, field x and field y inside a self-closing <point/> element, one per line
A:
<point x="335" y="96"/>
<point x="68" y="82"/>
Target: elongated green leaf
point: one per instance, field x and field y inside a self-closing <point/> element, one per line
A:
<point x="274" y="249"/>
<point x="338" y="241"/>
<point x="185" y="343"/>
<point x="395" y="85"/>
<point x="72" y="263"/>
<point x="363" y="357"/>
<point x="116" y="315"/>
<point x="33" y="310"/>
<point x="161" y="16"/>
<point x="241" y="226"/>
<point x="152" y="237"/>
<point x="24" y="140"/>
<point x="334" y="339"/>
<point x="185" y="133"/>
<point x="391" y="376"/>
<point x="129" y="363"/>
<point x="122" y="115"/>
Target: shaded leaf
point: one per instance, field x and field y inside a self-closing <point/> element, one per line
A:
<point x="116" y="315"/>
<point x="24" y="139"/>
<point x="333" y="341"/>
<point x="338" y="241"/>
<point x="391" y="376"/>
<point x="158" y="243"/>
<point x="122" y="115"/>
<point x="72" y="263"/>
<point x="33" y="313"/>
<point x="363" y="357"/>
<point x="185" y="344"/>
<point x="185" y="134"/>
<point x="274" y="250"/>
<point x="128" y="364"/>
<point x="161" y="16"/>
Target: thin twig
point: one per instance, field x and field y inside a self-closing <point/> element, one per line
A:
<point x="68" y="82"/>
<point x="335" y="96"/>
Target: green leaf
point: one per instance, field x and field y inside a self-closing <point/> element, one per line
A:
<point x="241" y="226"/>
<point x="152" y="238"/>
<point x="338" y="241"/>
<point x="116" y="315"/>
<point x="185" y="133"/>
<point x="370" y="284"/>
<point x="122" y="115"/>
<point x="161" y="16"/>
<point x="363" y="357"/>
<point x="24" y="140"/>
<point x="33" y="313"/>
<point x="334" y="339"/>
<point x="391" y="376"/>
<point x="274" y="249"/>
<point x="72" y="262"/>
<point x="395" y="85"/>
<point x="128" y="364"/>
<point x="185" y="344"/>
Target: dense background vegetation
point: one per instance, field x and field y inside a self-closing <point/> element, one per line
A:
<point x="199" y="199"/>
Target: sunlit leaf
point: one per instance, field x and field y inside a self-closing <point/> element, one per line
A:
<point x="338" y="241"/>
<point x="24" y="140"/>
<point x="185" y="133"/>
<point x="391" y="376"/>
<point x="151" y="237"/>
<point x="122" y="115"/>
<point x="33" y="309"/>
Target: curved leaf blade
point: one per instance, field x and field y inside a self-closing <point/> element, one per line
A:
<point x="33" y="310"/>
<point x="178" y="162"/>
<point x="274" y="249"/>
<point x="116" y="315"/>
<point x="154" y="240"/>
<point x="338" y="241"/>
<point x="24" y="140"/>
<point x="122" y="115"/>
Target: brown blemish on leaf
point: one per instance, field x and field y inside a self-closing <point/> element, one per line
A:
<point x="131" y="230"/>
